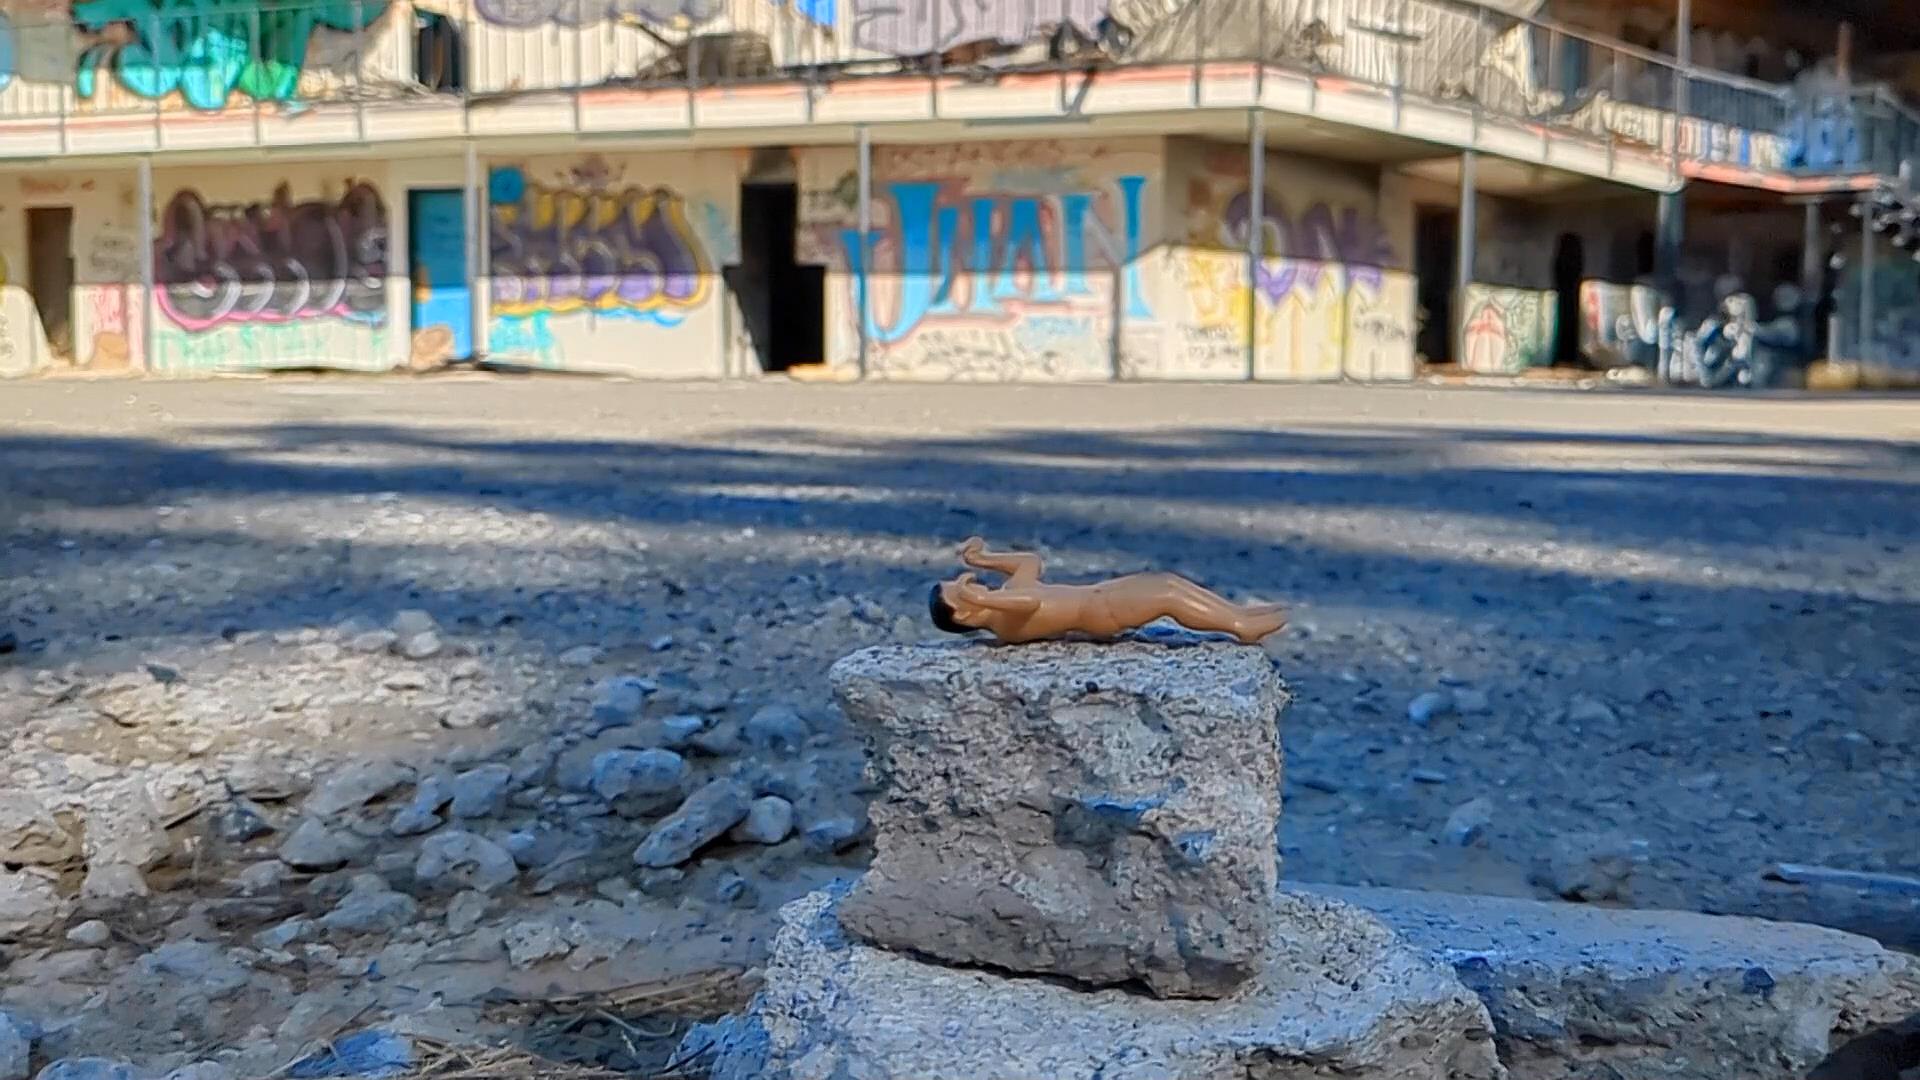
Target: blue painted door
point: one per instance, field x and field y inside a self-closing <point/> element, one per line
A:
<point x="437" y="251"/>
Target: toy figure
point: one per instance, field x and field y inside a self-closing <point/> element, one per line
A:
<point x="1024" y="608"/>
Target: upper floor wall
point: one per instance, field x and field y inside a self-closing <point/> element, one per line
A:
<point x="71" y="71"/>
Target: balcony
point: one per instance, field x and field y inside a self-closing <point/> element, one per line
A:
<point x="180" y="76"/>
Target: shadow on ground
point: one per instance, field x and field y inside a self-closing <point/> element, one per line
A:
<point x="1741" y="607"/>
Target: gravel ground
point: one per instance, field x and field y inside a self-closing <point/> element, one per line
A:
<point x="1619" y="647"/>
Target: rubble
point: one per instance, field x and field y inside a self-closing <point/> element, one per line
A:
<point x="1104" y="813"/>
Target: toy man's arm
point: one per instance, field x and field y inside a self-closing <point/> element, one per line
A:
<point x="1022" y="564"/>
<point x="984" y="597"/>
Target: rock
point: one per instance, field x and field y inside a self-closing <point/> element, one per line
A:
<point x="481" y="792"/>
<point x="29" y="905"/>
<point x="832" y="835"/>
<point x="1105" y="813"/>
<point x="720" y="740"/>
<point x="261" y="877"/>
<point x="263" y="779"/>
<point x="467" y="715"/>
<point x="413" y="621"/>
<point x="677" y="732"/>
<point x="618" y="700"/>
<point x="16" y="1049"/>
<point x="1587" y="710"/>
<point x="660" y="881"/>
<point x="203" y="964"/>
<point x="637" y="772"/>
<point x="769" y="821"/>
<point x="706" y="816"/>
<point x="283" y="934"/>
<point x="30" y="835"/>
<point x="422" y="646"/>
<point x="313" y="846"/>
<point x="92" y="934"/>
<point x="734" y="890"/>
<point x="371" y="907"/>
<point x="1650" y="993"/>
<point x="373" y="641"/>
<point x="1589" y="867"/>
<point x="464" y="860"/>
<point x="1333" y="993"/>
<point x="422" y="814"/>
<point x="1468" y="702"/>
<point x="112" y="883"/>
<point x="237" y="821"/>
<point x="465" y="911"/>
<point x="580" y="656"/>
<point x="535" y="940"/>
<point x="778" y="728"/>
<point x="356" y="784"/>
<point x="88" y="1068"/>
<point x="1430" y="706"/>
<point x="1467" y="825"/>
<point x="123" y="827"/>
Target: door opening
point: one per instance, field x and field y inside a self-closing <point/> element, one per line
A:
<point x="50" y="275"/>
<point x="442" y="296"/>
<point x="783" y="301"/>
<point x="1569" y="265"/>
<point x="1436" y="240"/>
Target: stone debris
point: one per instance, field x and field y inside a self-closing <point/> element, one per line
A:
<point x="1104" y="813"/>
<point x="313" y="846"/>
<point x="778" y="728"/>
<point x="356" y="784"/>
<point x="464" y="860"/>
<point x="16" y="1048"/>
<point x="30" y="904"/>
<point x="705" y="817"/>
<point x="1333" y="992"/>
<point x="31" y="835"/>
<point x="768" y="821"/>
<point x="481" y="792"/>
<point x="1581" y="990"/>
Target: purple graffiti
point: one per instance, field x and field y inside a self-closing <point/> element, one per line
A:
<point x="1309" y="244"/>
<point x="627" y="253"/>
<point x="273" y="261"/>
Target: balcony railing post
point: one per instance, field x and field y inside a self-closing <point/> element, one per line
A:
<point x="253" y="16"/>
<point x="579" y="58"/>
<point x="1863" y="337"/>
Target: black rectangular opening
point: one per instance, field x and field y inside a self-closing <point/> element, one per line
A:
<point x="782" y="301"/>
<point x="50" y="274"/>
<point x="1436" y="240"/>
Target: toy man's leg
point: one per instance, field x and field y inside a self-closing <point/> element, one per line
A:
<point x="1198" y="608"/>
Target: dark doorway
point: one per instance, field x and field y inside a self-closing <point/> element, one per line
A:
<point x="783" y="301"/>
<point x="50" y="274"/>
<point x="1569" y="264"/>
<point x="437" y="53"/>
<point x="1436" y="238"/>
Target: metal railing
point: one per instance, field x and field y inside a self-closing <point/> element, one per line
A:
<point x="155" y="57"/>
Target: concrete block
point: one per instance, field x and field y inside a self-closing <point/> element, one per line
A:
<point x="1104" y="813"/>
<point x="1578" y="991"/>
<point x="1334" y="994"/>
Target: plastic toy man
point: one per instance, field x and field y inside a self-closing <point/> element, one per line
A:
<point x="1024" y="608"/>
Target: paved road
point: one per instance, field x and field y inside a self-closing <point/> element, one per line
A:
<point x="1693" y="619"/>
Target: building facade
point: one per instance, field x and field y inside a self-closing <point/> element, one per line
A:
<point x="1069" y="190"/>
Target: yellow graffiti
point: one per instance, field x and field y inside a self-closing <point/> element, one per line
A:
<point x="630" y="252"/>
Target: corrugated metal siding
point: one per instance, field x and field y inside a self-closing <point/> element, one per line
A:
<point x="919" y="27"/>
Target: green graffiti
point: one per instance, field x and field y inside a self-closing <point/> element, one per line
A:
<point x="207" y="49"/>
<point x="265" y="346"/>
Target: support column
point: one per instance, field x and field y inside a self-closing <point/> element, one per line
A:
<point x="1466" y="250"/>
<point x="473" y="206"/>
<point x="864" y="270"/>
<point x="1863" y="333"/>
<point x="1812" y="273"/>
<point x="145" y="233"/>
<point x="1257" y="227"/>
<point x="1670" y="227"/>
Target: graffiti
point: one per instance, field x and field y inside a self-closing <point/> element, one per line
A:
<point x="206" y="51"/>
<point x="525" y="14"/>
<point x="992" y="257"/>
<point x="919" y="27"/>
<point x="1307" y="247"/>
<point x="612" y="252"/>
<point x="264" y="346"/>
<point x="1619" y="324"/>
<point x="1825" y="133"/>
<point x="112" y="256"/>
<point x="1506" y="330"/>
<point x="9" y="61"/>
<point x="112" y="343"/>
<point x="276" y="261"/>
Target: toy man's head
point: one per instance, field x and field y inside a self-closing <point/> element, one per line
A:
<point x="948" y="610"/>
